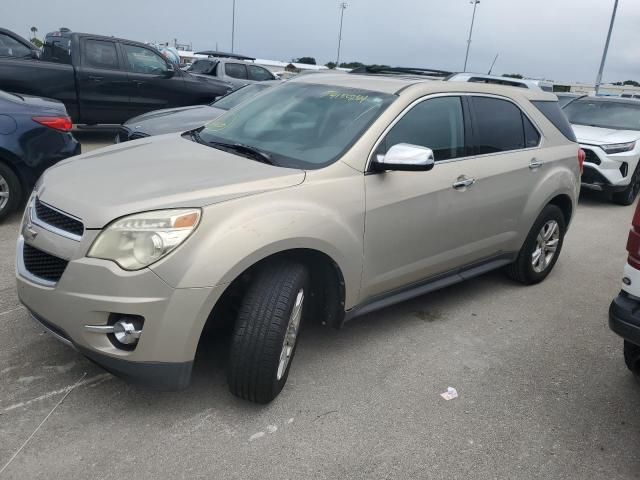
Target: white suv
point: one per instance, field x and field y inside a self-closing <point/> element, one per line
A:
<point x="608" y="130"/>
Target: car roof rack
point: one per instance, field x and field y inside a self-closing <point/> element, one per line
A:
<point x="422" y="72"/>
<point x="213" y="53"/>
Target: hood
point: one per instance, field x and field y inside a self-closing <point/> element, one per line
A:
<point x="40" y="103"/>
<point x="173" y="119"/>
<point x="168" y="171"/>
<point x="604" y="136"/>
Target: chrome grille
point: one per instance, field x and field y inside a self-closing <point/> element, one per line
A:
<point x="57" y="219"/>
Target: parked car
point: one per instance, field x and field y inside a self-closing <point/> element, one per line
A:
<point x="35" y="133"/>
<point x="103" y="79"/>
<point x="235" y="69"/>
<point x="323" y="199"/>
<point x="624" y="312"/>
<point x="14" y="46"/>
<point x="608" y="129"/>
<point x="186" y="118"/>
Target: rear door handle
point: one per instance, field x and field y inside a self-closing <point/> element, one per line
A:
<point x="94" y="78"/>
<point x="139" y="83"/>
<point x="463" y="182"/>
<point x="535" y="163"/>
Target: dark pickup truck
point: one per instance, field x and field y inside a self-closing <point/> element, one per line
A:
<point x="101" y="80"/>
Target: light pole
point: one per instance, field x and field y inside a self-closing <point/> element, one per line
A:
<point x="473" y="18"/>
<point x="233" y="27"/>
<point x="606" y="47"/>
<point x="343" y="7"/>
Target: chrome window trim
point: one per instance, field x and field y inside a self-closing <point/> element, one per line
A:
<point x="22" y="269"/>
<point x="456" y="94"/>
<point x="33" y="217"/>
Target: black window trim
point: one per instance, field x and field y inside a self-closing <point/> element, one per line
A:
<point x="83" y="51"/>
<point x="467" y="111"/>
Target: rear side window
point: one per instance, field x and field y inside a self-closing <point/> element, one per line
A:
<point x="499" y="126"/>
<point x="531" y="135"/>
<point x="437" y="124"/>
<point x="235" y="70"/>
<point x="557" y="117"/>
<point x="100" y="54"/>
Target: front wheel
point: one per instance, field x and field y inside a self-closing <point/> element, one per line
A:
<point x="266" y="331"/>
<point x="629" y="194"/>
<point x="541" y="248"/>
<point x="632" y="358"/>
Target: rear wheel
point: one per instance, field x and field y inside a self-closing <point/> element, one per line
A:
<point x="632" y="358"/>
<point x="10" y="191"/>
<point x="629" y="194"/>
<point x="266" y="331"/>
<point x="541" y="248"/>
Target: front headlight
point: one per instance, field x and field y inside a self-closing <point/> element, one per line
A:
<point x="137" y="241"/>
<point x="619" y="147"/>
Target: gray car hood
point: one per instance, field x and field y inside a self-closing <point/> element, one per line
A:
<point x="168" y="171"/>
<point x="172" y="120"/>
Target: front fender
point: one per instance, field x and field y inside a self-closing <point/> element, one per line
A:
<point x="237" y="234"/>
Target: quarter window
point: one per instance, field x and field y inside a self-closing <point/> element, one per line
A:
<point x="501" y="127"/>
<point x="235" y="70"/>
<point x="100" y="54"/>
<point x="437" y="124"/>
<point x="143" y="60"/>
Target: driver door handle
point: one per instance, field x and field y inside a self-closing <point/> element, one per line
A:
<point x="535" y="163"/>
<point x="463" y="182"/>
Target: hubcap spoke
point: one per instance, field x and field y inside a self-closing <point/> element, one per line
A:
<point x="547" y="243"/>
<point x="291" y="334"/>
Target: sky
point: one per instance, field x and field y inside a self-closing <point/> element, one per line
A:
<point x="560" y="40"/>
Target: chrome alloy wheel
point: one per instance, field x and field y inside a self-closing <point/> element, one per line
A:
<point x="546" y="246"/>
<point x="4" y="192"/>
<point x="291" y="334"/>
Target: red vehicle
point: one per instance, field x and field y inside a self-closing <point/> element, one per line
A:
<point x="624" y="312"/>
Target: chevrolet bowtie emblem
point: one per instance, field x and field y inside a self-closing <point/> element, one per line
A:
<point x="29" y="233"/>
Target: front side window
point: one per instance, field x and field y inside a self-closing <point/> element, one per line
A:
<point x="10" y="47"/>
<point x="235" y="70"/>
<point x="499" y="126"/>
<point x="142" y="60"/>
<point x="100" y="54"/>
<point x="299" y="125"/>
<point x="259" y="74"/>
<point x="437" y="124"/>
<point x="57" y="49"/>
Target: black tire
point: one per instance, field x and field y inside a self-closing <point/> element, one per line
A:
<point x="632" y="358"/>
<point x="628" y="195"/>
<point x="522" y="269"/>
<point x="9" y="183"/>
<point x="259" y="334"/>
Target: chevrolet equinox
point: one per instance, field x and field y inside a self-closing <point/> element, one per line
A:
<point x="322" y="199"/>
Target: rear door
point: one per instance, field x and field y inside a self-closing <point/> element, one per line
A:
<point x="153" y="83"/>
<point x="102" y="82"/>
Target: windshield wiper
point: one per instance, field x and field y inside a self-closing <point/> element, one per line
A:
<point x="242" y="149"/>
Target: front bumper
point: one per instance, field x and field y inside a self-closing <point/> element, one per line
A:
<point x="624" y="317"/>
<point x="609" y="173"/>
<point x="91" y="291"/>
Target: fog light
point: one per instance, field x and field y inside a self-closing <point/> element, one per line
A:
<point x="126" y="332"/>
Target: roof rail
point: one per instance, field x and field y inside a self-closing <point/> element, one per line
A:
<point x="379" y="70"/>
<point x="213" y="53"/>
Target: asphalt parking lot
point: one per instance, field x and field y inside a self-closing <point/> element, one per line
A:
<point x="543" y="390"/>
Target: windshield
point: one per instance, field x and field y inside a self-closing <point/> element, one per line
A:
<point x="300" y="125"/>
<point x="564" y="100"/>
<point x="238" y="96"/>
<point x="604" y="114"/>
<point x="202" y="66"/>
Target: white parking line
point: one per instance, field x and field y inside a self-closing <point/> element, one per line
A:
<point x="88" y="381"/>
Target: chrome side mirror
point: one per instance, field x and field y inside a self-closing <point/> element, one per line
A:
<point x="405" y="157"/>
